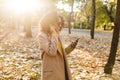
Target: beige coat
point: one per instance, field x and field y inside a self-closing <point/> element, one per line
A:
<point x="54" y="66"/>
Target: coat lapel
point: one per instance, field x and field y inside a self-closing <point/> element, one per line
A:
<point x="66" y="66"/>
<point x="60" y="48"/>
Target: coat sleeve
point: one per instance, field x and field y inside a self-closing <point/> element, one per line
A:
<point x="48" y="44"/>
<point x="67" y="49"/>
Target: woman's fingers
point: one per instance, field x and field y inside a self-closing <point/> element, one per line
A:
<point x="73" y="44"/>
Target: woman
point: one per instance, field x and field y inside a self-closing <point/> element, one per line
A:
<point x="54" y="62"/>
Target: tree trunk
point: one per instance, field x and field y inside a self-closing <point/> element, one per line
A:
<point x="27" y="27"/>
<point x="70" y="17"/>
<point x="93" y="19"/>
<point x="69" y="23"/>
<point x="12" y="22"/>
<point x="111" y="60"/>
<point x="109" y="13"/>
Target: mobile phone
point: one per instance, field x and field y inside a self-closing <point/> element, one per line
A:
<point x="77" y="40"/>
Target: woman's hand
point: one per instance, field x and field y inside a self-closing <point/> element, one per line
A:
<point x="71" y="47"/>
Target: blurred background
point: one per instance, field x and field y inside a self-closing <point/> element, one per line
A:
<point x="24" y="14"/>
<point x="19" y="26"/>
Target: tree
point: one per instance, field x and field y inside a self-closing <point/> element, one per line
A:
<point x="109" y="8"/>
<point x="111" y="60"/>
<point x="93" y="19"/>
<point x="70" y="16"/>
<point x="102" y="18"/>
<point x="85" y="11"/>
<point x="27" y="26"/>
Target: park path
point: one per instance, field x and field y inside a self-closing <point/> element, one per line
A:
<point x="87" y="32"/>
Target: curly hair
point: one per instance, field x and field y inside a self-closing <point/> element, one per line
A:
<point x="47" y="21"/>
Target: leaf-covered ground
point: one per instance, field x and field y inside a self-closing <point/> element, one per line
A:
<point x="20" y="58"/>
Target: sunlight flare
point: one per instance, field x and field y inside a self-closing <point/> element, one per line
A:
<point x="22" y="6"/>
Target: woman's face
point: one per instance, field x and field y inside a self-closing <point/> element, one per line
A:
<point x="59" y="25"/>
